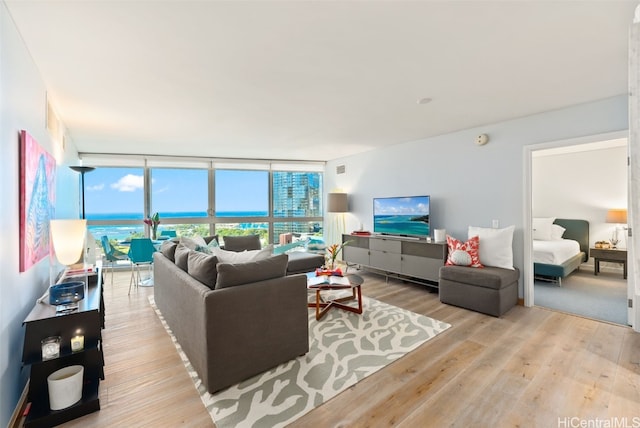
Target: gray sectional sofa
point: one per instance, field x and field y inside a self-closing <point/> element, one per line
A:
<point x="235" y="320"/>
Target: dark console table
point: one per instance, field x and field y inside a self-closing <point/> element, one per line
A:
<point x="43" y="321"/>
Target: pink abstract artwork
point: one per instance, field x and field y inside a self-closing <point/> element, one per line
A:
<point x="37" y="198"/>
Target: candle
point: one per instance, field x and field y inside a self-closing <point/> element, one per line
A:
<point x="50" y="347"/>
<point x="77" y="343"/>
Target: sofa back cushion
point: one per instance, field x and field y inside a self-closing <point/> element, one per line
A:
<point x="202" y="267"/>
<point x="181" y="256"/>
<point x="232" y="274"/>
<point x="225" y="256"/>
<point x="193" y="242"/>
<point x="241" y="243"/>
<point x="168" y="249"/>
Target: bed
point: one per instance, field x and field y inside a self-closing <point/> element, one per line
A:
<point x="556" y="259"/>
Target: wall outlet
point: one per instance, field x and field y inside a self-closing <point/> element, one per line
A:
<point x="495" y="224"/>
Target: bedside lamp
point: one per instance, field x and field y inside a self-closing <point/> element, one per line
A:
<point x="617" y="216"/>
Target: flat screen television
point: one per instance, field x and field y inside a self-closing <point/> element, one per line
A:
<point x="402" y="216"/>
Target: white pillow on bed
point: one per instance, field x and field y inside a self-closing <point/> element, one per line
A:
<point x="542" y="228"/>
<point x="556" y="232"/>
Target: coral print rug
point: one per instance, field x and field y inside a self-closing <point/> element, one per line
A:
<point x="344" y="348"/>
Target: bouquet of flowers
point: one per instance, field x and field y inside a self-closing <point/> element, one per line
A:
<point x="153" y="222"/>
<point x="333" y="252"/>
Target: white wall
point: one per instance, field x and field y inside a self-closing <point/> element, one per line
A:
<point x="469" y="185"/>
<point x="22" y="106"/>
<point x="583" y="185"/>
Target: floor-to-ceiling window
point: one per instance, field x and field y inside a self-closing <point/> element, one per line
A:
<point x="241" y="203"/>
<point x="180" y="197"/>
<point x="204" y="198"/>
<point x="297" y="197"/>
<point x="114" y="202"/>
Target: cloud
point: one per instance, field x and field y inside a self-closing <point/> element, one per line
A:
<point x="95" y="188"/>
<point x="129" y="183"/>
<point x="162" y="190"/>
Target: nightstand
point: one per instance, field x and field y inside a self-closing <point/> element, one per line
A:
<point x="608" y="255"/>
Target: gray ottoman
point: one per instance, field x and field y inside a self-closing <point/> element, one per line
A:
<point x="489" y="290"/>
<point x="302" y="262"/>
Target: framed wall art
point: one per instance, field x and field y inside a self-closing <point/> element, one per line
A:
<point x="37" y="200"/>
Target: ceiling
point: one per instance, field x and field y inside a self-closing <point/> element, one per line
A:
<point x="313" y="80"/>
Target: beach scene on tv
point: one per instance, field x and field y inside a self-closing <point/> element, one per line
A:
<point x="401" y="216"/>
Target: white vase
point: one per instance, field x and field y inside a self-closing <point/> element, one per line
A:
<point x="440" y="235"/>
<point x="65" y="387"/>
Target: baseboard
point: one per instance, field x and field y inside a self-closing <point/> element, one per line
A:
<point x="14" y="421"/>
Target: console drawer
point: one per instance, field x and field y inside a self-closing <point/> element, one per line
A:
<point x="386" y="245"/>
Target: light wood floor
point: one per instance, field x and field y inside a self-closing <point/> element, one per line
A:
<point x="531" y="368"/>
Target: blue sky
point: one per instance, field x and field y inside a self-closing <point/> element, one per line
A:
<point x="120" y="190"/>
<point x="402" y="206"/>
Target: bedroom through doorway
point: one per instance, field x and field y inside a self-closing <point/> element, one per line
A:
<point x="579" y="184"/>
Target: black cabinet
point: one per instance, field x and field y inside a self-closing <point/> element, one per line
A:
<point x="42" y="322"/>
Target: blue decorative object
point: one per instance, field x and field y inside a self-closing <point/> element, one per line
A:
<point x="66" y="293"/>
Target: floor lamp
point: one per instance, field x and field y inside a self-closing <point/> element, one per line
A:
<point x="337" y="203"/>
<point x="89" y="255"/>
<point x="82" y="170"/>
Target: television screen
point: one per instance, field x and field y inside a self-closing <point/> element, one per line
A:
<point x="403" y="216"/>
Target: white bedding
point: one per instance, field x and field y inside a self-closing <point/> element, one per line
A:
<point x="554" y="252"/>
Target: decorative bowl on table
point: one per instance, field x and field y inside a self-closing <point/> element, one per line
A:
<point x="328" y="272"/>
<point x="66" y="293"/>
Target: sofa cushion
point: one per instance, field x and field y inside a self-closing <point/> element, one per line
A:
<point x="489" y="277"/>
<point x="208" y="249"/>
<point x="496" y="246"/>
<point x="208" y="239"/>
<point x="168" y="249"/>
<point x="232" y="274"/>
<point x="301" y="261"/>
<point x="225" y="256"/>
<point x="202" y="267"/>
<point x="193" y="242"/>
<point x="241" y="243"/>
<point x="463" y="253"/>
<point x="181" y="256"/>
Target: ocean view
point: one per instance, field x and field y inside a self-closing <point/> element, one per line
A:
<point x="122" y="232"/>
<point x="400" y="225"/>
<point x="138" y="216"/>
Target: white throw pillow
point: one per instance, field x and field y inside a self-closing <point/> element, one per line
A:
<point x="542" y="228"/>
<point x="225" y="256"/>
<point x="496" y="246"/>
<point x="557" y="232"/>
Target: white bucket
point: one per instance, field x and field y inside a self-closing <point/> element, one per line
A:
<point x="440" y="235"/>
<point x="65" y="387"/>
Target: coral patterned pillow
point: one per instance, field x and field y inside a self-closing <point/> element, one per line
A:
<point x="463" y="253"/>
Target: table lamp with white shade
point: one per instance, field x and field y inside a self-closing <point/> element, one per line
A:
<point x="67" y="237"/>
<point x="67" y="242"/>
<point x="619" y="217"/>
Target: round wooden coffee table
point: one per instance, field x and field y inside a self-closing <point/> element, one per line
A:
<point x="346" y="282"/>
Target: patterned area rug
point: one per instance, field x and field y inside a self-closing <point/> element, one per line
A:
<point x="344" y="348"/>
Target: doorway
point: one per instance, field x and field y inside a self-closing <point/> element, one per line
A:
<point x="579" y="179"/>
